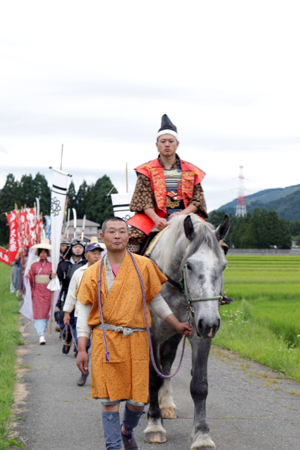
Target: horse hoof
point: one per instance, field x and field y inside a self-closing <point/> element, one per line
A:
<point x="168" y="413"/>
<point x="155" y="437"/>
<point x="203" y="448"/>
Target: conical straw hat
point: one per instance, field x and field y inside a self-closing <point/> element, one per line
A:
<point x="45" y="245"/>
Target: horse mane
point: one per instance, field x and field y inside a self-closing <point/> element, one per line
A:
<point x="203" y="234"/>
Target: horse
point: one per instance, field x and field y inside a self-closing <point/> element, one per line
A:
<point x="188" y="248"/>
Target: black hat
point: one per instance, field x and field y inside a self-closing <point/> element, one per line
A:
<point x="167" y="127"/>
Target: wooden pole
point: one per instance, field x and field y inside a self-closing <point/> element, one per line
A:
<point x="51" y="313"/>
<point x="61" y="157"/>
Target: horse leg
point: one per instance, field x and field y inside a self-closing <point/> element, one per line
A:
<point x="154" y="432"/>
<point x="199" y="390"/>
<point x="167" y="355"/>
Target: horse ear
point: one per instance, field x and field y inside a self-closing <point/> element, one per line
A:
<point x="189" y="228"/>
<point x="223" y="228"/>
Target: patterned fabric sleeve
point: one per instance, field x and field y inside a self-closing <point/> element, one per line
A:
<point x="198" y="200"/>
<point x="31" y="274"/>
<point x="143" y="197"/>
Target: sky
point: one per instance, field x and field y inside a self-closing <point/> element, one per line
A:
<point x="97" y="76"/>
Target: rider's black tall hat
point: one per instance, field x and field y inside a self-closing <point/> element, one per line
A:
<point x="167" y="127"/>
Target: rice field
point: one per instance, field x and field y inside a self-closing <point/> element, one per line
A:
<point x="263" y="323"/>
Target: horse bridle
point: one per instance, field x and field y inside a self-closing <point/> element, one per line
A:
<point x="183" y="287"/>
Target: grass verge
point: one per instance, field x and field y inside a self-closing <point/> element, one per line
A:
<point x="246" y="333"/>
<point x="10" y="339"/>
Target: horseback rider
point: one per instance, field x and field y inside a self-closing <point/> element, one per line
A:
<point x="165" y="187"/>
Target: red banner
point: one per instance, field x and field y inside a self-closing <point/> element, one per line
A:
<point x="4" y="256"/>
<point x="14" y="243"/>
<point x="23" y="221"/>
<point x="31" y="225"/>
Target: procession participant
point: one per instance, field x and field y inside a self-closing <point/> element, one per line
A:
<point x="39" y="275"/>
<point x="64" y="245"/>
<point x="74" y="259"/>
<point x="13" y="276"/>
<point x="19" y="271"/>
<point x="126" y="375"/>
<point x="92" y="253"/>
<point x="165" y="187"/>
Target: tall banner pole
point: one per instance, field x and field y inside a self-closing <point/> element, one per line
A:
<point x="58" y="199"/>
<point x="83" y="227"/>
<point x="68" y="224"/>
<point x="65" y="218"/>
<point x="37" y="219"/>
<point x="75" y="221"/>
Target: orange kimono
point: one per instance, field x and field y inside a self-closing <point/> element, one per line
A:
<point x="126" y="375"/>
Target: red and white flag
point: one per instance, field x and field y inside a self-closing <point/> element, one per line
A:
<point x="4" y="256"/>
<point x="14" y="236"/>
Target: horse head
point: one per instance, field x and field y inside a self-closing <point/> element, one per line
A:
<point x="190" y="250"/>
<point x="204" y="262"/>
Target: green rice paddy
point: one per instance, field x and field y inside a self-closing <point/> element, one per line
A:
<point x="263" y="323"/>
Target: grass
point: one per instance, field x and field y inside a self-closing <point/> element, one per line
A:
<point x="263" y="323"/>
<point x="10" y="339"/>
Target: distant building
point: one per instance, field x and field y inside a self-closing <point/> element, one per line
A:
<point x="90" y="229"/>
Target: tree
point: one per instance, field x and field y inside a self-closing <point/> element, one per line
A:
<point x="42" y="191"/>
<point x="285" y="240"/>
<point x="216" y="217"/>
<point x="241" y="235"/>
<point x="294" y="227"/>
<point x="71" y="194"/>
<point x="99" y="206"/>
<point x="263" y="229"/>
<point x="26" y="192"/>
<point x="9" y="195"/>
<point x="81" y="199"/>
<point x="273" y="226"/>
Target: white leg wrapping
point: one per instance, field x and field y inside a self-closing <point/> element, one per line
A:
<point x="165" y="397"/>
<point x="154" y="426"/>
<point x="202" y="440"/>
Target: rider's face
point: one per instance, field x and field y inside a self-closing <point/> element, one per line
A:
<point x="167" y="145"/>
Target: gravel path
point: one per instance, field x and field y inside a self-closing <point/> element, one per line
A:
<point x="248" y="407"/>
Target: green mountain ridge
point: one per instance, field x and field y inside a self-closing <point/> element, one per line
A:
<point x="285" y="201"/>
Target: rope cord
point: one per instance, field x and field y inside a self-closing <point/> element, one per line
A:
<point x="161" y="375"/>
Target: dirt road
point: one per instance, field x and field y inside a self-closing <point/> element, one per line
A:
<point x="248" y="407"/>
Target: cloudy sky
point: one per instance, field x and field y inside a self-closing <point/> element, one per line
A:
<point x="97" y="76"/>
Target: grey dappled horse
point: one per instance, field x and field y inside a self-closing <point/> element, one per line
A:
<point x="196" y="243"/>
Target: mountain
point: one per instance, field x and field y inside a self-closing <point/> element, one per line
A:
<point x="285" y="201"/>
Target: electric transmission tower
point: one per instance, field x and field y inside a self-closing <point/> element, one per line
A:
<point x="241" y="204"/>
